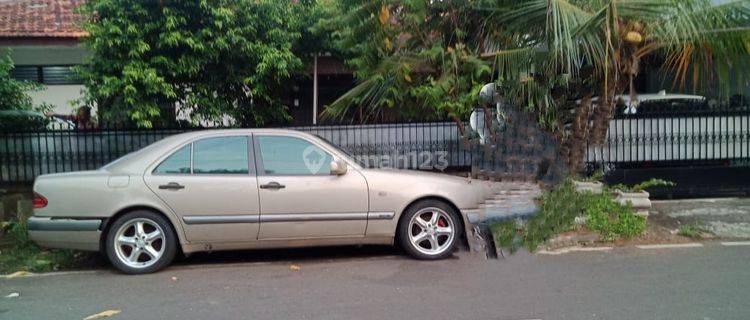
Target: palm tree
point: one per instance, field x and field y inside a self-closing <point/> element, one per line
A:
<point x="595" y="48"/>
<point x="549" y="56"/>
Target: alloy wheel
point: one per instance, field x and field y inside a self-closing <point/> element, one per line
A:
<point x="139" y="243"/>
<point x="431" y="231"/>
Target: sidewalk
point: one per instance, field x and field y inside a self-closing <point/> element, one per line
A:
<point x="724" y="217"/>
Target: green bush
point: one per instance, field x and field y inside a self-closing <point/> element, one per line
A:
<point x="558" y="209"/>
<point x="611" y="219"/>
<point x="24" y="255"/>
<point x="17" y="120"/>
<point x="650" y="183"/>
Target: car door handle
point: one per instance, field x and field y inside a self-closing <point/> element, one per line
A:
<point x="272" y="185"/>
<point x="172" y="186"/>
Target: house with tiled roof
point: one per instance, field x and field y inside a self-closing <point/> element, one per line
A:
<point x="43" y="37"/>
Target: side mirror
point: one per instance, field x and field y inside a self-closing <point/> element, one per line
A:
<point x="338" y="167"/>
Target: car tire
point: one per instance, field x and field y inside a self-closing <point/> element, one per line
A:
<point x="423" y="230"/>
<point x="140" y="242"/>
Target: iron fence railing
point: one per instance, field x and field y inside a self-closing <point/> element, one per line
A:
<point x="24" y="155"/>
<point x="679" y="134"/>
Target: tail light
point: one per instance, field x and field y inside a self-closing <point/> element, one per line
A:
<point x="39" y="201"/>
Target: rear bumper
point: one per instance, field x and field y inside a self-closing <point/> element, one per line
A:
<point x="61" y="233"/>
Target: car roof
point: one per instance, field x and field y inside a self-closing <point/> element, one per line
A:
<point x="138" y="161"/>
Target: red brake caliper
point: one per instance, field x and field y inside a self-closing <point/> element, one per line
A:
<point x="441" y="222"/>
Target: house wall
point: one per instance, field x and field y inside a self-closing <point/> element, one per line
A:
<point x="58" y="95"/>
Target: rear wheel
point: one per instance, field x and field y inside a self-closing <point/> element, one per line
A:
<point x="429" y="230"/>
<point x="141" y="242"/>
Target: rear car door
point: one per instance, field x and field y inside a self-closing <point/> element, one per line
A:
<point x="210" y="183"/>
<point x="299" y="196"/>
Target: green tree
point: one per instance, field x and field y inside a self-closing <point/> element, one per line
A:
<point x="594" y="48"/>
<point x="17" y="109"/>
<point x="15" y="93"/>
<point x="551" y="57"/>
<point x="209" y="58"/>
<point x="422" y="57"/>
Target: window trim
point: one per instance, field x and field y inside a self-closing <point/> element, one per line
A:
<point x="251" y="166"/>
<point x="261" y="171"/>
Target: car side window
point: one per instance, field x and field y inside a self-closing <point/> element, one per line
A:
<point x="221" y="155"/>
<point x="178" y="162"/>
<point x="292" y="156"/>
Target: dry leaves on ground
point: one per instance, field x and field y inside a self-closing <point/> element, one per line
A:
<point x="103" y="314"/>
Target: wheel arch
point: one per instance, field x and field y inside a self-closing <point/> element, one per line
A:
<point x="107" y="223"/>
<point x="463" y="240"/>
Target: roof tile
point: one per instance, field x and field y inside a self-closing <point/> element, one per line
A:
<point x="40" y="18"/>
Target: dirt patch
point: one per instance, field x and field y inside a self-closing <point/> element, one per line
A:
<point x="660" y="229"/>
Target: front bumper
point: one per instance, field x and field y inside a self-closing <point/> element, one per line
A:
<point x="63" y="233"/>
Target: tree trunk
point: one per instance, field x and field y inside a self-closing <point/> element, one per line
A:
<point x="577" y="142"/>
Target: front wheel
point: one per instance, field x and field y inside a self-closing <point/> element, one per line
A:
<point x="140" y="242"/>
<point x="429" y="230"/>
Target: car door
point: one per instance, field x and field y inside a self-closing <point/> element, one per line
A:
<point x="210" y="184"/>
<point x="299" y="197"/>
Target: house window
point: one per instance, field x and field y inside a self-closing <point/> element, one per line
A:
<point x="46" y="74"/>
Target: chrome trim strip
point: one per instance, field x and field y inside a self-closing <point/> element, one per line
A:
<point x="221" y="219"/>
<point x="289" y="217"/>
<point x="62" y="224"/>
<point x="382" y="215"/>
<point x="297" y="217"/>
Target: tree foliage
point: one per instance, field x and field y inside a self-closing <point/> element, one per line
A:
<point x="15" y="93"/>
<point x="212" y="59"/>
<point x="422" y="57"/>
<point x="551" y="57"/>
<point x="595" y="48"/>
<point x="17" y="109"/>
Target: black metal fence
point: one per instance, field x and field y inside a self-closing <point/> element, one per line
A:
<point x="691" y="142"/>
<point x="687" y="132"/>
<point x="702" y="146"/>
<point x="25" y="155"/>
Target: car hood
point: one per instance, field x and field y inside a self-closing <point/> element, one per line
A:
<point x="463" y="192"/>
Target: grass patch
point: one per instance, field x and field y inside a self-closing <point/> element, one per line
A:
<point x="691" y="231"/>
<point x="558" y="209"/>
<point x="611" y="219"/>
<point x="24" y="255"/>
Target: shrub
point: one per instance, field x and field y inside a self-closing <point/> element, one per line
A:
<point x="558" y="209"/>
<point x="26" y="256"/>
<point x="611" y="219"/>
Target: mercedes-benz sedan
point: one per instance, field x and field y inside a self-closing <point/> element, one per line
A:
<point x="243" y="189"/>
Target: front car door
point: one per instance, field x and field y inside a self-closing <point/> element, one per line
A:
<point x="210" y="184"/>
<point x="299" y="196"/>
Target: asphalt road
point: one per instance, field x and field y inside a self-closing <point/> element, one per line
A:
<point x="712" y="282"/>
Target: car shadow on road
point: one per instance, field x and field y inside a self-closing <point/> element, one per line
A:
<point x="289" y="255"/>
